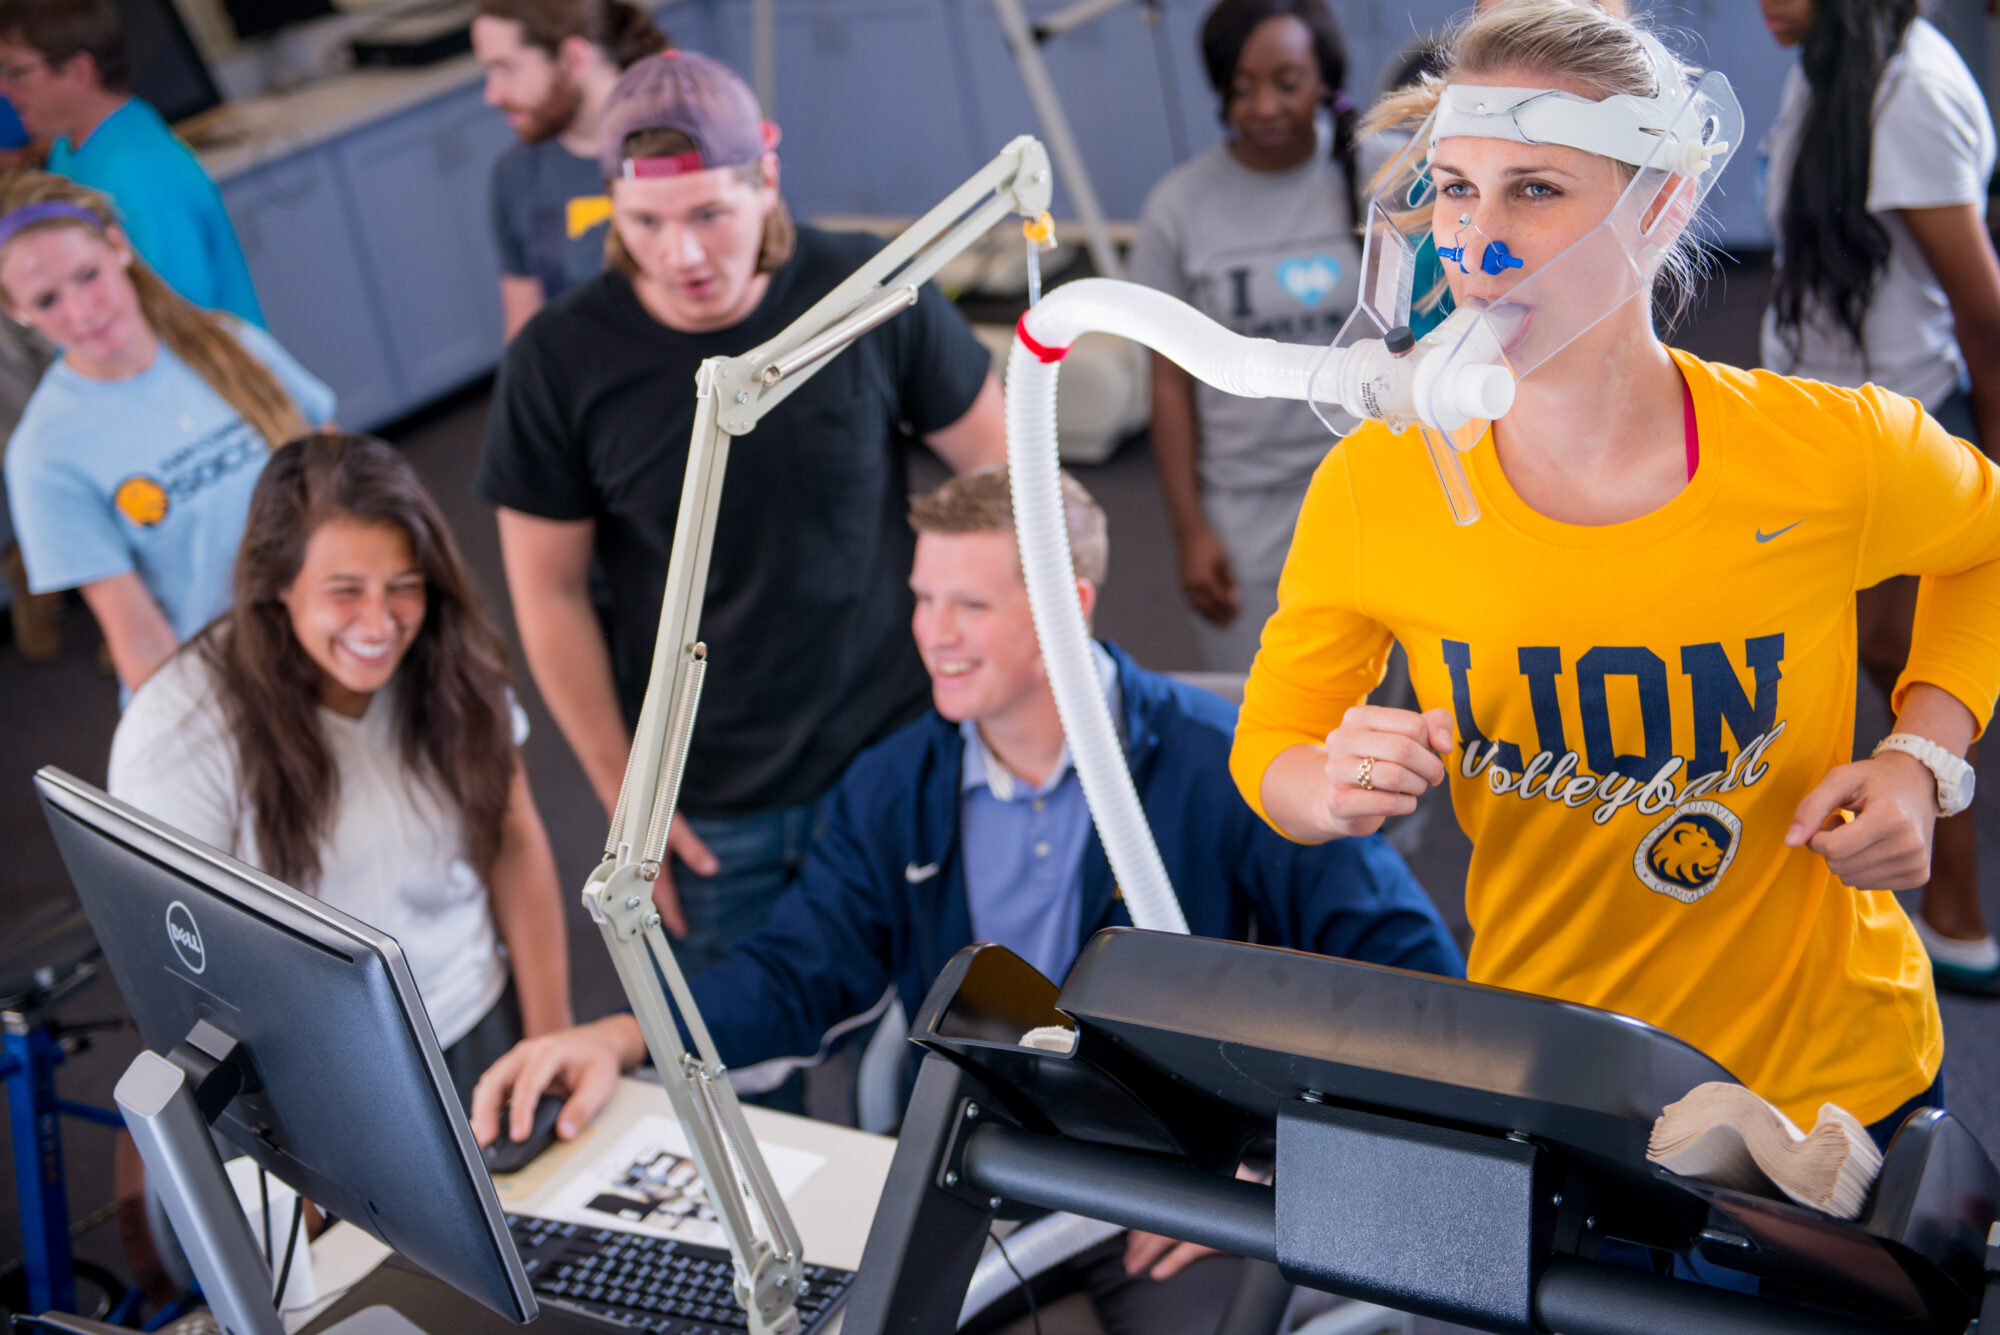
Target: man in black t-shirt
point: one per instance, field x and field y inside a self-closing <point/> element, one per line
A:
<point x="807" y="612"/>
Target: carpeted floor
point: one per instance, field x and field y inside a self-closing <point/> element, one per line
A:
<point x="63" y="714"/>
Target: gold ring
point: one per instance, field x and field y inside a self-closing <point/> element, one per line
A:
<point x="1365" y="774"/>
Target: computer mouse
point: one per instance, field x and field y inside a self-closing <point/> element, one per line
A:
<point x="509" y="1156"/>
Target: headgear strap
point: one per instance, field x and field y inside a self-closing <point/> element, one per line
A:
<point x="28" y="215"/>
<point x="1630" y="129"/>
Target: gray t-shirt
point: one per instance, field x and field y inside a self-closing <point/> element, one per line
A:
<point x="1933" y="146"/>
<point x="1268" y="255"/>
<point x="532" y="186"/>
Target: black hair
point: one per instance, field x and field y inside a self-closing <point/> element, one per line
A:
<point x="1229" y="25"/>
<point x="1834" y="251"/>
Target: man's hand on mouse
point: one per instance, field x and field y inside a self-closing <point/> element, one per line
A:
<point x="585" y="1060"/>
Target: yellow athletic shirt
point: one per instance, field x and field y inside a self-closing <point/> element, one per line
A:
<point x="1640" y="707"/>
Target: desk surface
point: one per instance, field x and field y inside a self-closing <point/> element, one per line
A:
<point x="832" y="1209"/>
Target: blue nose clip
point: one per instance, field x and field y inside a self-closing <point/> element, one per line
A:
<point x="1497" y="261"/>
<point x="1456" y="254"/>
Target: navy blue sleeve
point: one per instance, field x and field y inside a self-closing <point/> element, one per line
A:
<point x="1354" y="898"/>
<point x="825" y="953"/>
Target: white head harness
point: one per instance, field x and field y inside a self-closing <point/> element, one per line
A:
<point x="1678" y="139"/>
<point x="1633" y="130"/>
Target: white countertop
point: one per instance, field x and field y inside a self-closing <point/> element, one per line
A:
<point x="247" y="133"/>
<point x="251" y="132"/>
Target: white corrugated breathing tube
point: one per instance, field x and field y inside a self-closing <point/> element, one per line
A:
<point x="1034" y="476"/>
<point x="1250" y="368"/>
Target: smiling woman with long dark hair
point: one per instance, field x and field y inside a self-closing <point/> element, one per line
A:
<point x="347" y="728"/>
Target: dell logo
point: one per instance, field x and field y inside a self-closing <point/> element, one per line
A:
<point x="186" y="937"/>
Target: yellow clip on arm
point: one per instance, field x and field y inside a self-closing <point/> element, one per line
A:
<point x="1041" y="231"/>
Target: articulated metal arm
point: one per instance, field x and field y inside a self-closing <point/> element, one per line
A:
<point x="734" y="393"/>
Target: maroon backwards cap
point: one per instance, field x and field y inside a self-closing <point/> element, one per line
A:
<point x="699" y="96"/>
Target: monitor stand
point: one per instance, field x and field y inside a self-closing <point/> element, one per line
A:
<point x="169" y="1103"/>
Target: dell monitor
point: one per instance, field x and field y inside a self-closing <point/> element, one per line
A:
<point x="345" y="1095"/>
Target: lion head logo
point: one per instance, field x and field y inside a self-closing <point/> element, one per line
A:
<point x="1685" y="855"/>
<point x="141" y="500"/>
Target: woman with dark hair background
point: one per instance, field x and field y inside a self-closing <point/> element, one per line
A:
<point x="1261" y="233"/>
<point x="347" y="728"/>
<point x="1904" y="294"/>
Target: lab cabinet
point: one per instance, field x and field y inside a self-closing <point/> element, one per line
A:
<point x="373" y="256"/>
<point x="419" y="187"/>
<point x="292" y="220"/>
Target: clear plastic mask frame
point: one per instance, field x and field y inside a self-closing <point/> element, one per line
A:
<point x="1546" y="309"/>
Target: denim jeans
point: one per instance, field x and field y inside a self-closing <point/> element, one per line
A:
<point x="757" y="856"/>
<point x="1884" y="1131"/>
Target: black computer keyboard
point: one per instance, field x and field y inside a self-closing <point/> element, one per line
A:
<point x="631" y="1281"/>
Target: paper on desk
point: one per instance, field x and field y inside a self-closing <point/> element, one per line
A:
<point x="646" y="1182"/>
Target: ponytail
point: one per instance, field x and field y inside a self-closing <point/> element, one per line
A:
<point x="205" y="342"/>
<point x="1835" y="251"/>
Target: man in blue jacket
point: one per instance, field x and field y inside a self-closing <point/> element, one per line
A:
<point x="970" y="824"/>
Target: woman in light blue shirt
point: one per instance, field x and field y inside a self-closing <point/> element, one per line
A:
<point x="130" y="473"/>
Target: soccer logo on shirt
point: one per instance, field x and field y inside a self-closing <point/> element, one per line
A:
<point x="141" y="500"/>
<point x="145" y="499"/>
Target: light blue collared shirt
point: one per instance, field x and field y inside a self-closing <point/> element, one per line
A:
<point x="1024" y="847"/>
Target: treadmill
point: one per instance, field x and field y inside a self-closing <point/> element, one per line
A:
<point x="1443" y="1148"/>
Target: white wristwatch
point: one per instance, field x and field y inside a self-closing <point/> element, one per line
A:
<point x="1954" y="776"/>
